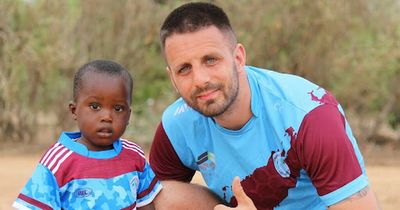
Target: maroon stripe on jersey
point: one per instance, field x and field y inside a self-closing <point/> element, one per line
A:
<point x="149" y="189"/>
<point x="325" y="151"/>
<point x="34" y="202"/>
<point x="130" y="207"/>
<point x="164" y="161"/>
<point x="125" y="162"/>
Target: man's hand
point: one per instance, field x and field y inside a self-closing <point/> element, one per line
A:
<point x="244" y="202"/>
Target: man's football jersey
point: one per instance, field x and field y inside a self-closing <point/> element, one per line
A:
<point x="296" y="152"/>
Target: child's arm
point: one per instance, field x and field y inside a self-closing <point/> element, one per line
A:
<point x="40" y="192"/>
<point x="148" y="188"/>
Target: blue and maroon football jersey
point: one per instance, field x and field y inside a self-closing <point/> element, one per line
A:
<point x="296" y="152"/>
<point x="69" y="176"/>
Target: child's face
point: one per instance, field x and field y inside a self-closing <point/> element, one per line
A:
<point x="102" y="109"/>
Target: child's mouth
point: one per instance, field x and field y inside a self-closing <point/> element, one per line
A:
<point x="104" y="133"/>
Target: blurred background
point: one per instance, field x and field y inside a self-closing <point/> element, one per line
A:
<point x="351" y="48"/>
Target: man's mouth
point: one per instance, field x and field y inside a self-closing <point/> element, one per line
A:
<point x="207" y="95"/>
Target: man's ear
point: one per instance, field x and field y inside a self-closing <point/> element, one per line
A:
<point x="171" y="78"/>
<point x="72" y="109"/>
<point x="240" y="56"/>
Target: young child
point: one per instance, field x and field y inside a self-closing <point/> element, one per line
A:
<point x="94" y="168"/>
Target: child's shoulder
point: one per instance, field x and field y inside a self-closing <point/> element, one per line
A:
<point x="53" y="150"/>
<point x="132" y="148"/>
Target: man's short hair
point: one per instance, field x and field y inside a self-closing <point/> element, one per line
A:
<point x="192" y="17"/>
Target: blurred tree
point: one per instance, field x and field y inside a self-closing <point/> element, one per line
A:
<point x="350" y="47"/>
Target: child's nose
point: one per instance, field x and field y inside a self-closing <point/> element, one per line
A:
<point x="106" y="115"/>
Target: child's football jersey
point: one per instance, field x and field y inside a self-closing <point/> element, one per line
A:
<point x="69" y="176"/>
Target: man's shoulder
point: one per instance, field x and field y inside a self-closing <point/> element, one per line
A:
<point x="275" y="80"/>
<point x="285" y="89"/>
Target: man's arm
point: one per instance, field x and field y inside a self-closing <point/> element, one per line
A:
<point x="177" y="192"/>
<point x="325" y="150"/>
<point x="164" y="160"/>
<point x="362" y="200"/>
<point x="180" y="195"/>
<point x="147" y="207"/>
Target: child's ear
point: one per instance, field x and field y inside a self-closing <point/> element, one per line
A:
<point x="129" y="118"/>
<point x="72" y="109"/>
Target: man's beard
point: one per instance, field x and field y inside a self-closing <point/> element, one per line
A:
<point x="212" y="108"/>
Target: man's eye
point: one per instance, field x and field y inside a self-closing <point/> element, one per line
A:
<point x="118" y="108"/>
<point x="183" y="69"/>
<point x="95" y="106"/>
<point x="211" y="60"/>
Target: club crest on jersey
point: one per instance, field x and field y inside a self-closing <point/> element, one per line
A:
<point x="206" y="161"/>
<point x="83" y="192"/>
<point x="280" y="166"/>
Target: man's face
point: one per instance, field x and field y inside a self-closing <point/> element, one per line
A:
<point x="202" y="66"/>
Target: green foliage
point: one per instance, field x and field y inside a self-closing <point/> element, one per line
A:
<point x="349" y="47"/>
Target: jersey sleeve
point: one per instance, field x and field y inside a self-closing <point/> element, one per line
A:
<point x="165" y="161"/>
<point x="328" y="155"/>
<point x="149" y="186"/>
<point x="40" y="192"/>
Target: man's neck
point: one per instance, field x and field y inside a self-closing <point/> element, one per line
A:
<point x="239" y="113"/>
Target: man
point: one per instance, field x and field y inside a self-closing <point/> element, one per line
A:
<point x="285" y="138"/>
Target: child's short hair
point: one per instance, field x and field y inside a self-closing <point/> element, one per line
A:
<point x="104" y="67"/>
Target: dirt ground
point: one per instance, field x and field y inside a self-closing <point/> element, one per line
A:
<point x="15" y="170"/>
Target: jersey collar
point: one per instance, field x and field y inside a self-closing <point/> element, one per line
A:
<point x="67" y="139"/>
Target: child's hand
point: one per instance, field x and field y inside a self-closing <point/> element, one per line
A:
<point x="244" y="202"/>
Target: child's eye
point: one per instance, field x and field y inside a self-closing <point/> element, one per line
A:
<point x="118" y="108"/>
<point x="95" y="106"/>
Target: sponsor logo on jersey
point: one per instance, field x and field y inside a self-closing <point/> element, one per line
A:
<point x="83" y="192"/>
<point x="206" y="161"/>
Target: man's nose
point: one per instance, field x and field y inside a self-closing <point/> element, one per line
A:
<point x="201" y="76"/>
